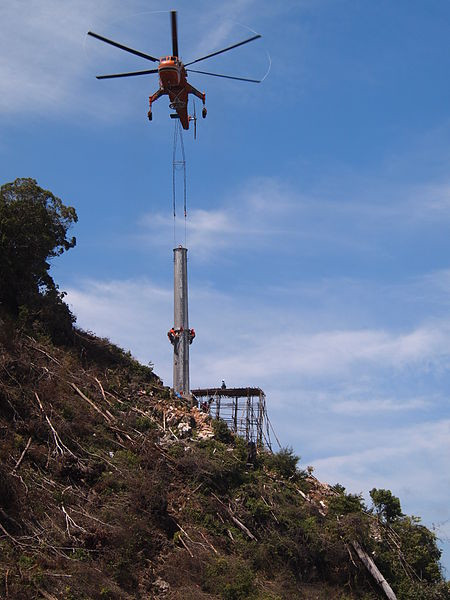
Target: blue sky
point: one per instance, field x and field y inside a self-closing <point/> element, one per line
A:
<point x="319" y="211"/>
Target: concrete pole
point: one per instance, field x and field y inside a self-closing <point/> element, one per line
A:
<point x="181" y="322"/>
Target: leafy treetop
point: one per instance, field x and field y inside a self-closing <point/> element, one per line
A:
<point x="33" y="229"/>
<point x="386" y="505"/>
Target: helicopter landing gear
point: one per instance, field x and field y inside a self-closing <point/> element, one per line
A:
<point x="204" y="112"/>
<point x="149" y="115"/>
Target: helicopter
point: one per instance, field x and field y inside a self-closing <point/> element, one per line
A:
<point x="173" y="74"/>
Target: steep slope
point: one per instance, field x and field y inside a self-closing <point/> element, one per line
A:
<point x="111" y="488"/>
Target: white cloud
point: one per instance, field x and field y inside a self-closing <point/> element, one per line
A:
<point x="252" y="216"/>
<point x="133" y="314"/>
<point x="410" y="460"/>
<point x="266" y="211"/>
<point x="43" y="62"/>
<point x="330" y="353"/>
<point x="365" y="406"/>
<point x="260" y="342"/>
<point x="256" y="214"/>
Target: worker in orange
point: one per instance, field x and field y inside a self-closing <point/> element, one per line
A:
<point x="171" y="334"/>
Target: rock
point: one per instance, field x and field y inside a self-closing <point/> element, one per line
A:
<point x="161" y="586"/>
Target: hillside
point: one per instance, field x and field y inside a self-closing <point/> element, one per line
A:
<point x="112" y="488"/>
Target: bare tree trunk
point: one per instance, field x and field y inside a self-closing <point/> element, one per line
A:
<point x="373" y="570"/>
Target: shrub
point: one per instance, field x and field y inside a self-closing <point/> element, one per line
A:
<point x="221" y="431"/>
<point x="231" y="579"/>
<point x="344" y="504"/>
<point x="283" y="462"/>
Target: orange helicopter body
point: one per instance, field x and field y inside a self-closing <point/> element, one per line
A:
<point x="173" y="74"/>
<point x="173" y="83"/>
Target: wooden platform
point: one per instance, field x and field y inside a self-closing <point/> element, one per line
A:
<point x="228" y="392"/>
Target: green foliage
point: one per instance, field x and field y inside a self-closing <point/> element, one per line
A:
<point x="127" y="458"/>
<point x="219" y="467"/>
<point x="33" y="230"/>
<point x="144" y="424"/>
<point x="344" y="504"/>
<point x="411" y="565"/>
<point x="34" y="225"/>
<point x="221" y="431"/>
<point x="284" y="462"/>
<point x="259" y="511"/>
<point x="386" y="505"/>
<point x="231" y="579"/>
<point x="419" y="548"/>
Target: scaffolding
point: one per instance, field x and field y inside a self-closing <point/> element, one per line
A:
<point x="242" y="409"/>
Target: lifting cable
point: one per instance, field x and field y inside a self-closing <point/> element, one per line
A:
<point x="178" y="164"/>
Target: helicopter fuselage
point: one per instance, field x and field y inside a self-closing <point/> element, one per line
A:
<point x="173" y="82"/>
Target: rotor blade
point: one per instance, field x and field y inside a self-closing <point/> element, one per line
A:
<point x="173" y="14"/>
<point x="255" y="37"/>
<point x="225" y="76"/>
<point x="132" y="74"/>
<point x="122" y="47"/>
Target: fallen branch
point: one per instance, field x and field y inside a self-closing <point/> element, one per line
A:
<point x="43" y="352"/>
<point x="185" y="545"/>
<point x="71" y="523"/>
<point x="18" y="463"/>
<point x="303" y="495"/>
<point x="85" y="514"/>
<point x="270" y="508"/>
<point x="97" y="456"/>
<point x="60" y="446"/>
<point x="124" y="433"/>
<point x="235" y="519"/>
<point x="46" y="595"/>
<point x="373" y="570"/>
<point x="350" y="555"/>
<point x="208" y="542"/>
<point x="13" y="539"/>
<point x="242" y="526"/>
<point x="94" y="406"/>
<point x="102" y="391"/>
<point x="115" y="397"/>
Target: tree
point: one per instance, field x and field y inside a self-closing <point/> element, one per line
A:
<point x="33" y="229"/>
<point x="386" y="505"/>
<point x="284" y="462"/>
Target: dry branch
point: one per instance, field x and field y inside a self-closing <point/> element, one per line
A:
<point x="102" y="391"/>
<point x="46" y="595"/>
<point x="44" y="352"/>
<point x="208" y="542"/>
<point x="373" y="570"/>
<point x="60" y="446"/>
<point x="242" y="526"/>
<point x="18" y="463"/>
<point x="8" y="535"/>
<point x="71" y="523"/>
<point x="85" y="514"/>
<point x="185" y="545"/>
<point x="235" y="519"/>
<point x="94" y="406"/>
